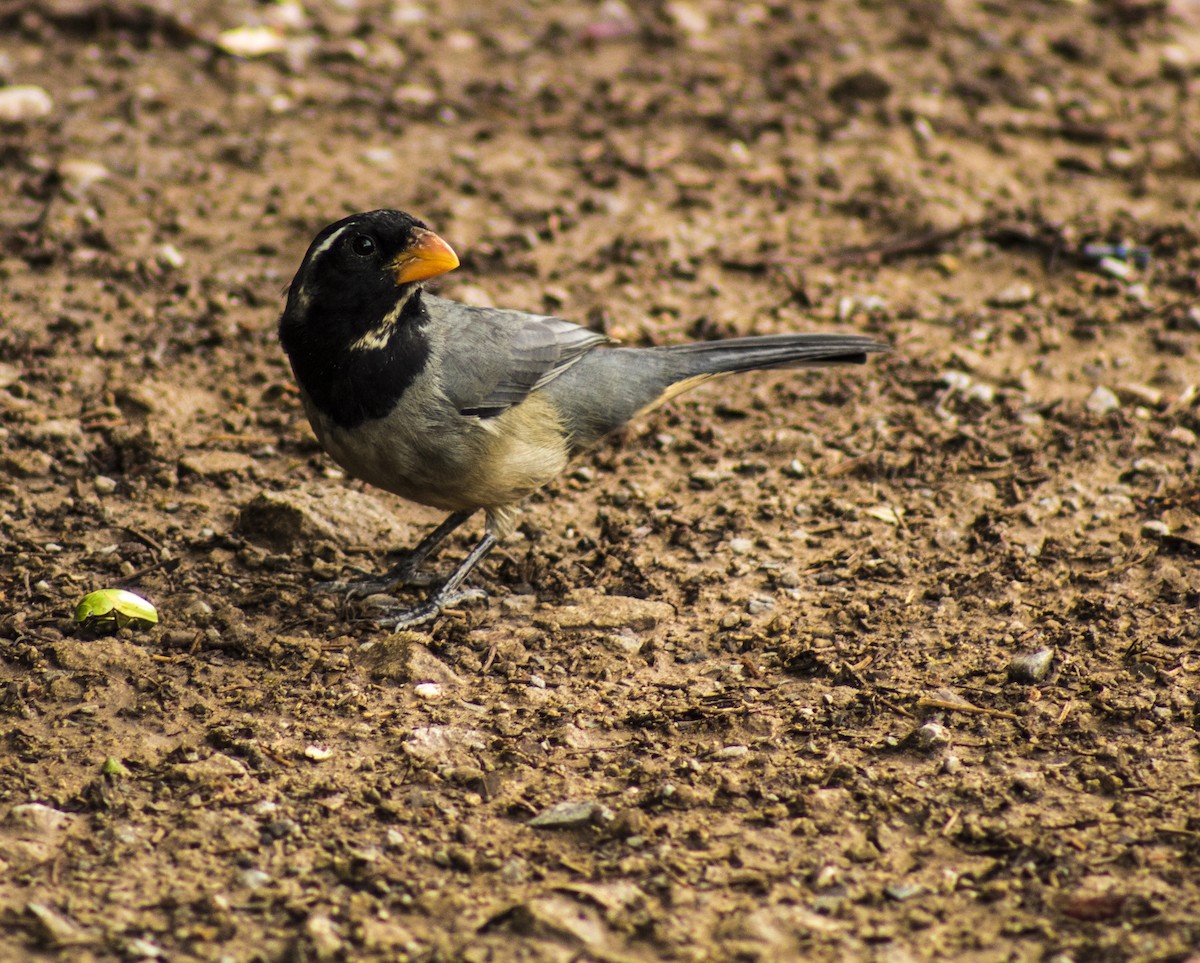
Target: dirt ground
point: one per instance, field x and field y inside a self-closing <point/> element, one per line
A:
<point x="892" y="663"/>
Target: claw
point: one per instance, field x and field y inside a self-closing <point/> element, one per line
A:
<point x="428" y="611"/>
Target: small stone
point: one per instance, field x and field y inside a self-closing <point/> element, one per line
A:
<point x="741" y="546"/>
<point x="428" y="690"/>
<point x="215" y="771"/>
<point x="590" y="609"/>
<point x="54" y="927"/>
<point x="323" y="934"/>
<point x="317" y="753"/>
<point x="291" y="519"/>
<point x="24" y="102"/>
<point x="569" y="815"/>
<point x="863" y="85"/>
<point x="1140" y="394"/>
<point x="901" y="892"/>
<point x="931" y="737"/>
<point x="760" y="605"/>
<point x="1114" y="267"/>
<point x="726" y="753"/>
<point x="951" y="765"/>
<point x="169" y="256"/>
<point x="104" y="485"/>
<point x="253" y="878"/>
<point x="79" y="175"/>
<point x="1102" y="401"/>
<point x="1031" y="667"/>
<point x="251" y="41"/>
<point x="1155" y="529"/>
<point x="1013" y="296"/>
<point x="212" y="464"/>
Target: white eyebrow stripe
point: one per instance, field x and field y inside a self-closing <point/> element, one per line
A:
<point x="326" y="244"/>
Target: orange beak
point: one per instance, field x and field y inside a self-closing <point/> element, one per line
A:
<point x="426" y="256"/>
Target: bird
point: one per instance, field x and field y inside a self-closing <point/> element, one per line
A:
<point x="468" y="408"/>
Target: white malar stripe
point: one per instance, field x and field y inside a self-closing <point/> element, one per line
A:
<point x="377" y="338"/>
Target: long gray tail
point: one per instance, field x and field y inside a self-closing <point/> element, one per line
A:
<point x="608" y="386"/>
<point x="769" y="351"/>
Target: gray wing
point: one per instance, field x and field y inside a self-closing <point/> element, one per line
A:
<point x="494" y="358"/>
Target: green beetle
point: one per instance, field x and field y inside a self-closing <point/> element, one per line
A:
<point x="107" y="610"/>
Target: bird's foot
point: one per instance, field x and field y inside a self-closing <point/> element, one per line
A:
<point x="430" y="610"/>
<point x="403" y="574"/>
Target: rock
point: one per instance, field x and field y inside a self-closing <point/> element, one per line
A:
<point x="251" y="41"/>
<point x="571" y="815"/>
<point x="24" y="102"/>
<point x="31" y="835"/>
<point x="55" y="928"/>
<point x="93" y="656"/>
<point x="1031" y="666"/>
<point x="1102" y="401"/>
<point x="760" y="605"/>
<point x="323" y="933"/>
<point x="589" y="609"/>
<point x="285" y="520"/>
<point x="930" y="738"/>
<point x="404" y="658"/>
<point x="864" y="85"/>
<point x="253" y="878"/>
<point x="213" y="464"/>
<point x="79" y="175"/>
<point x="444" y="744"/>
<point x="215" y="771"/>
<point x="1012" y="296"/>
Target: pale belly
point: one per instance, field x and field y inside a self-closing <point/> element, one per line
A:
<point x="466" y="464"/>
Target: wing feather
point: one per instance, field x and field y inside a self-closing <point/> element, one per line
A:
<point x="494" y="358"/>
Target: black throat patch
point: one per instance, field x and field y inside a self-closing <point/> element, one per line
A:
<point x="352" y="372"/>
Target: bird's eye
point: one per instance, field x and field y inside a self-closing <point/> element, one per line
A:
<point x="363" y="245"/>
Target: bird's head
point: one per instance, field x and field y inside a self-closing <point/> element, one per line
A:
<point x="360" y="273"/>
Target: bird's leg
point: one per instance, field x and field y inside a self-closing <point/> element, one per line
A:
<point x="405" y="573"/>
<point x="450" y="594"/>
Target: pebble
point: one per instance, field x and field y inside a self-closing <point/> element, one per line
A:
<point x="1012" y="296"/>
<point x="1031" y="666"/>
<point x="931" y="737"/>
<point x="760" y="605"/>
<point x="79" y="175"/>
<point x="323" y="932"/>
<point x="1102" y="401"/>
<point x="212" y="464"/>
<point x="253" y="878"/>
<point x="589" y="609"/>
<point x="428" y="690"/>
<point x="251" y="41"/>
<point x="1140" y="394"/>
<point x="22" y="102"/>
<point x="731" y="752"/>
<point x="104" y="485"/>
<point x="169" y="256"/>
<point x="56" y="928"/>
<point x="571" y="814"/>
<point x="741" y="546"/>
<point x="1155" y="529"/>
<point x="317" y="753"/>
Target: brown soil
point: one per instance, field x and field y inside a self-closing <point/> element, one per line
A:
<point x="771" y="647"/>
